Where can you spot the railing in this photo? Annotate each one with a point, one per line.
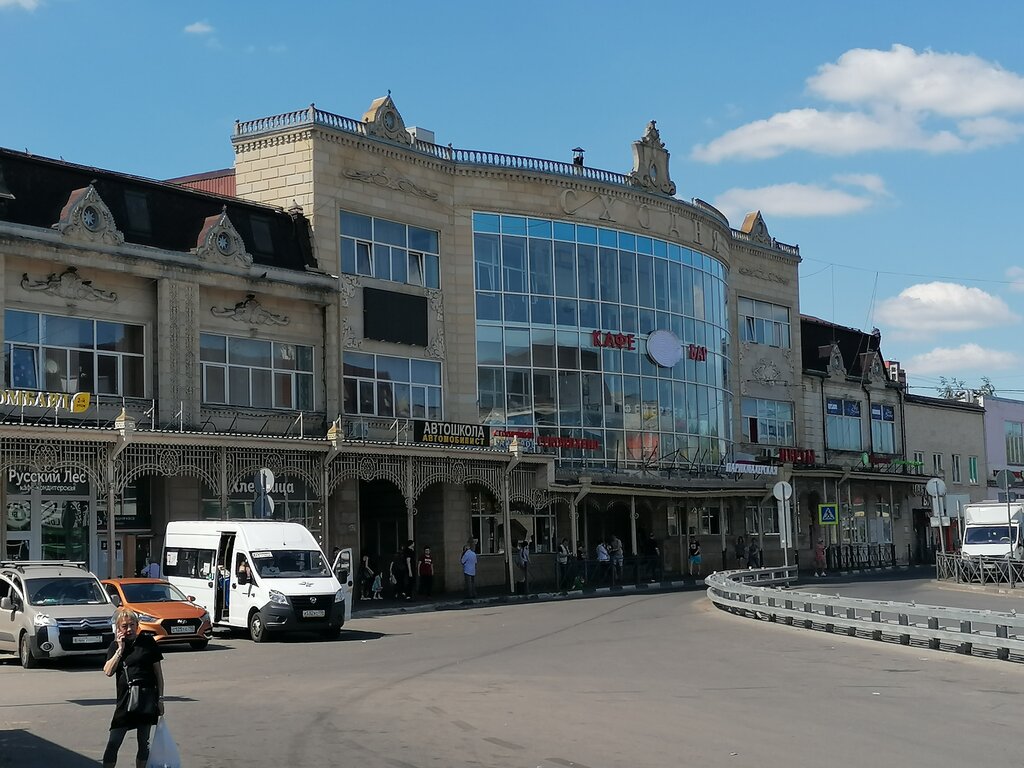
(849, 557)
(938, 627)
(979, 570)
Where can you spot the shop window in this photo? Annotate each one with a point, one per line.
(256, 373)
(763, 323)
(767, 422)
(883, 428)
(389, 250)
(842, 424)
(390, 386)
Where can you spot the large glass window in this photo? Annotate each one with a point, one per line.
(972, 470)
(54, 353)
(536, 528)
(763, 518)
(763, 323)
(401, 387)
(563, 314)
(767, 422)
(389, 250)
(256, 373)
(1014, 442)
(842, 424)
(883, 428)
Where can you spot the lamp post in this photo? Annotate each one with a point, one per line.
(783, 492)
(515, 451)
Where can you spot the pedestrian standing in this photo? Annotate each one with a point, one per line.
(819, 558)
(617, 557)
(694, 553)
(604, 562)
(562, 559)
(366, 576)
(426, 571)
(652, 557)
(753, 554)
(469, 569)
(741, 551)
(522, 561)
(409, 569)
(135, 660)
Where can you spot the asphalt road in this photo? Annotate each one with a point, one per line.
(637, 680)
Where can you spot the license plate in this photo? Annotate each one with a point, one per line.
(86, 639)
(313, 614)
(181, 630)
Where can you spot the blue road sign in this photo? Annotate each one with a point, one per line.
(828, 514)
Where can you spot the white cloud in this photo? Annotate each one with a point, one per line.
(949, 84)
(1016, 274)
(872, 182)
(827, 133)
(888, 100)
(966, 357)
(789, 200)
(199, 28)
(26, 5)
(929, 308)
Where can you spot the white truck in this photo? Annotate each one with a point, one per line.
(993, 529)
(262, 575)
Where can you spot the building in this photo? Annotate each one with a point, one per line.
(1004, 444)
(945, 439)
(420, 341)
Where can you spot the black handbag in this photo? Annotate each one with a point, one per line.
(143, 699)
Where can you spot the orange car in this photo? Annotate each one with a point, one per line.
(163, 611)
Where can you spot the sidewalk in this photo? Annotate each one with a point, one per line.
(455, 602)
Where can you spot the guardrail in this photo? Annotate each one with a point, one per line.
(938, 627)
(979, 570)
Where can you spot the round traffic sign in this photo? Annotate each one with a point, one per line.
(935, 487)
(1004, 479)
(265, 479)
(782, 490)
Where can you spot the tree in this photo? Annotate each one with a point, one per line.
(953, 388)
(987, 387)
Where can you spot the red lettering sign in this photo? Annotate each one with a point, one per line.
(796, 455)
(580, 443)
(698, 353)
(613, 340)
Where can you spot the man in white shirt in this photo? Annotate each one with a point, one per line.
(604, 562)
(469, 569)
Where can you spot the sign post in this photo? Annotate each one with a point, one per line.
(937, 490)
(1004, 480)
(783, 492)
(263, 504)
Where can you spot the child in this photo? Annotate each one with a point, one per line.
(377, 588)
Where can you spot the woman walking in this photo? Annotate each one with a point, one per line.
(135, 660)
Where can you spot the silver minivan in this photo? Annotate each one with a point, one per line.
(53, 609)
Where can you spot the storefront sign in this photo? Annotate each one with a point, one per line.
(796, 456)
(528, 440)
(696, 352)
(62, 401)
(63, 482)
(578, 443)
(613, 340)
(664, 349)
(450, 433)
(741, 468)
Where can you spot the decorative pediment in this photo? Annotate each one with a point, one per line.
(220, 242)
(384, 121)
(68, 285)
(650, 163)
(754, 226)
(250, 311)
(873, 368)
(86, 218)
(836, 366)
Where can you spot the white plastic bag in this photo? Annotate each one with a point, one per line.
(163, 752)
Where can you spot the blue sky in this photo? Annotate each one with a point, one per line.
(883, 138)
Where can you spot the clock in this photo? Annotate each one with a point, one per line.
(224, 244)
(390, 120)
(91, 218)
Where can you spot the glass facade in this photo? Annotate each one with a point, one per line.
(564, 313)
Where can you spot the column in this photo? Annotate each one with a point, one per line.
(177, 361)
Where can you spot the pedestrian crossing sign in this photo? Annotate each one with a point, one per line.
(828, 514)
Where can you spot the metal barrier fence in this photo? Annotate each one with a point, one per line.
(848, 557)
(939, 627)
(979, 570)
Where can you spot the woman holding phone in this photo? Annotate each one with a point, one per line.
(135, 660)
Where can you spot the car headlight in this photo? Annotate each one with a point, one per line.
(339, 596)
(204, 618)
(146, 617)
(279, 598)
(43, 620)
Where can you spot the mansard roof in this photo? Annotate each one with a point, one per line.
(855, 346)
(34, 191)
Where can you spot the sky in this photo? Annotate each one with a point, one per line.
(882, 138)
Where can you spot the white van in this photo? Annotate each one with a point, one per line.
(262, 575)
(993, 529)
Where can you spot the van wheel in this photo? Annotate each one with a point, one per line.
(332, 633)
(257, 631)
(28, 661)
(199, 645)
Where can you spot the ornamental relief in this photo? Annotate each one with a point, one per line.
(348, 286)
(250, 311)
(349, 339)
(763, 274)
(68, 285)
(384, 179)
(86, 218)
(220, 242)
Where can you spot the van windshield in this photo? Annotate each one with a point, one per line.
(289, 563)
(65, 591)
(988, 534)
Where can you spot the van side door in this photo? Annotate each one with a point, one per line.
(9, 617)
(343, 569)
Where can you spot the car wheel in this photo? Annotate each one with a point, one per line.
(199, 645)
(257, 631)
(28, 661)
(332, 633)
